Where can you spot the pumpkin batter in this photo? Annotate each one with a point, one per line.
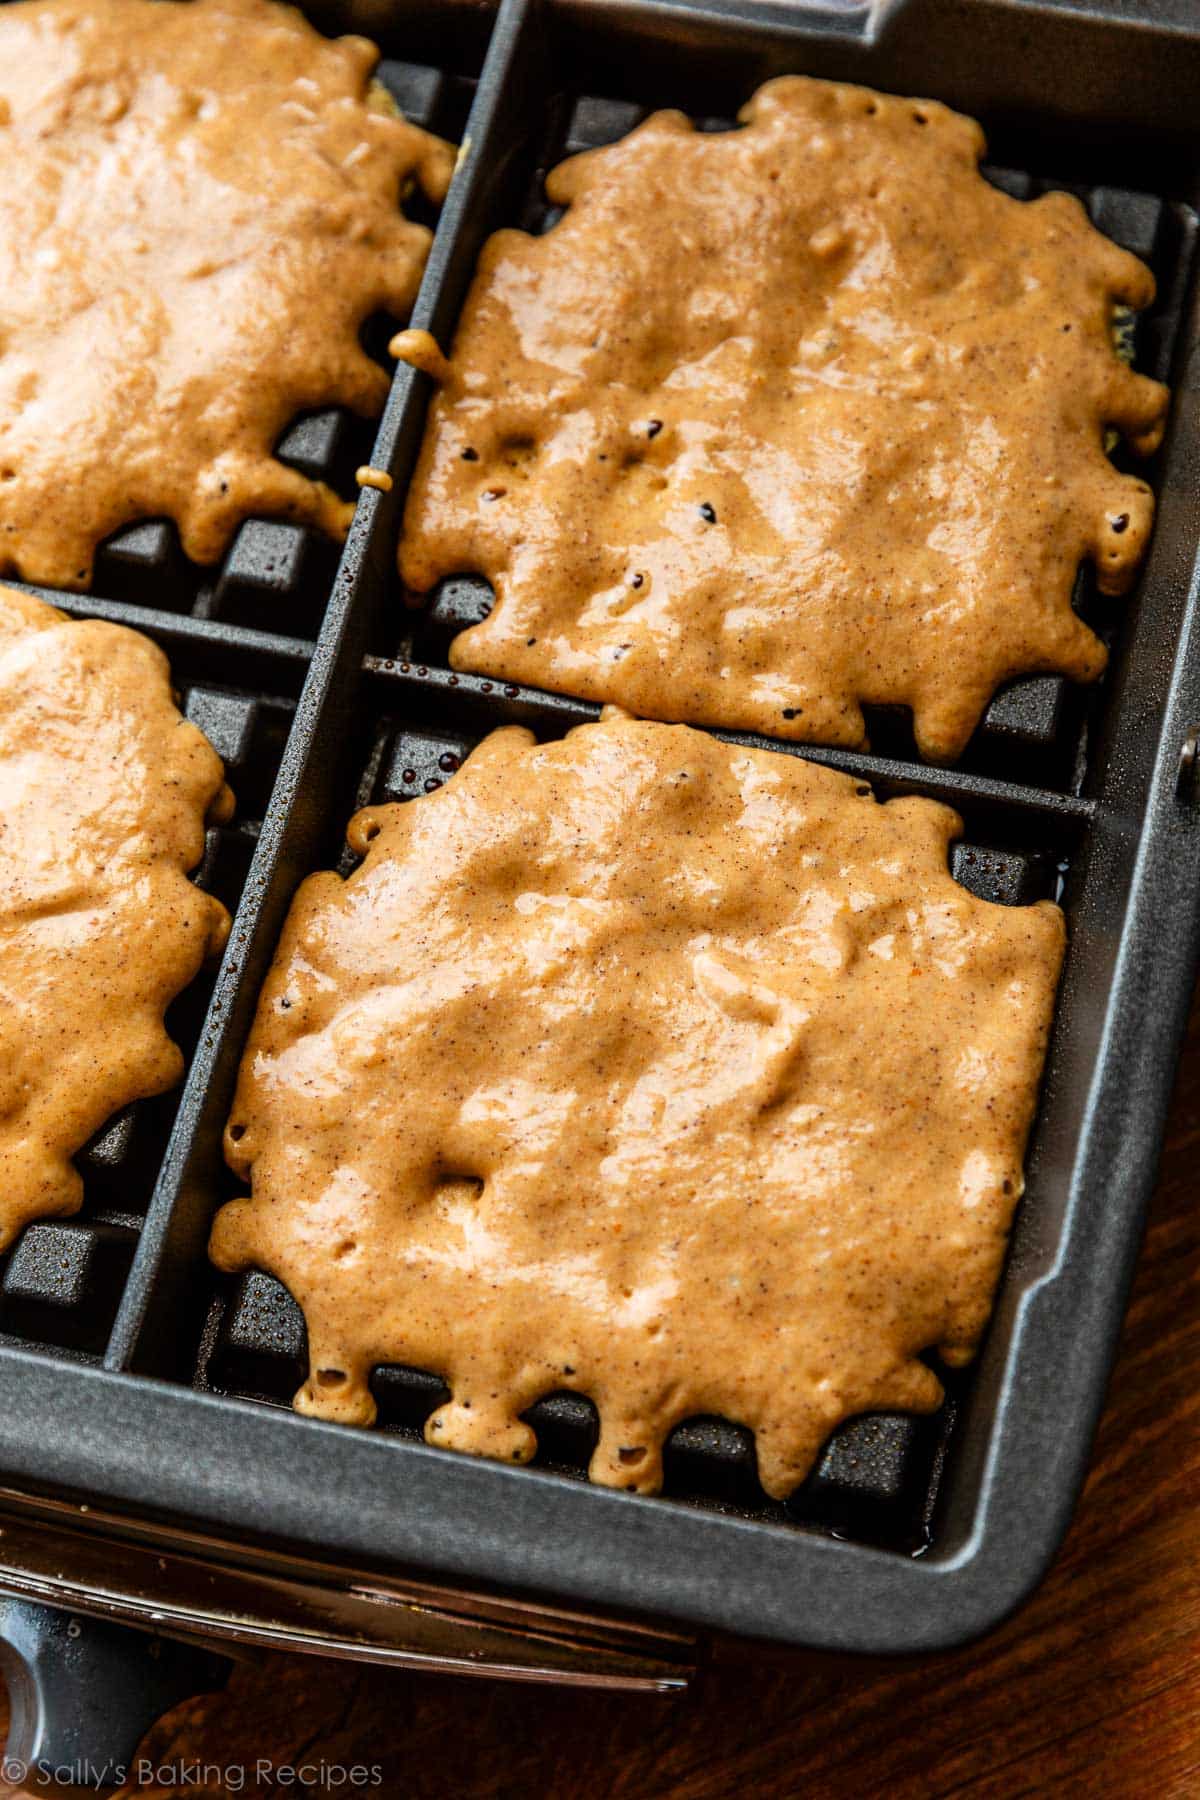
(104, 790)
(781, 421)
(198, 209)
(674, 1072)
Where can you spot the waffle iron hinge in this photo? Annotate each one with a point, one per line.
(102, 1573)
(184, 1585)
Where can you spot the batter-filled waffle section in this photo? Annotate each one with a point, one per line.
(1037, 728)
(62, 1279)
(876, 1477)
(275, 573)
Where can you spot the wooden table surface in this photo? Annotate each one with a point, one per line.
(1093, 1689)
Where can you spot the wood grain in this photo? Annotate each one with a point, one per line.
(1093, 1689)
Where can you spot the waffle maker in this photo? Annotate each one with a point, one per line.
(161, 1508)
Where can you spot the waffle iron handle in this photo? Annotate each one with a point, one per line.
(83, 1693)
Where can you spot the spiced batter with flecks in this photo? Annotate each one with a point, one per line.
(680, 1074)
(104, 791)
(199, 207)
(783, 421)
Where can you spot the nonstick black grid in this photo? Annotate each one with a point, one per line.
(1113, 833)
(878, 1476)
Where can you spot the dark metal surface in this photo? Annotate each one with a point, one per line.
(185, 1421)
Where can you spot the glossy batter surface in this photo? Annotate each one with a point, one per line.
(199, 206)
(680, 1074)
(780, 421)
(104, 790)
